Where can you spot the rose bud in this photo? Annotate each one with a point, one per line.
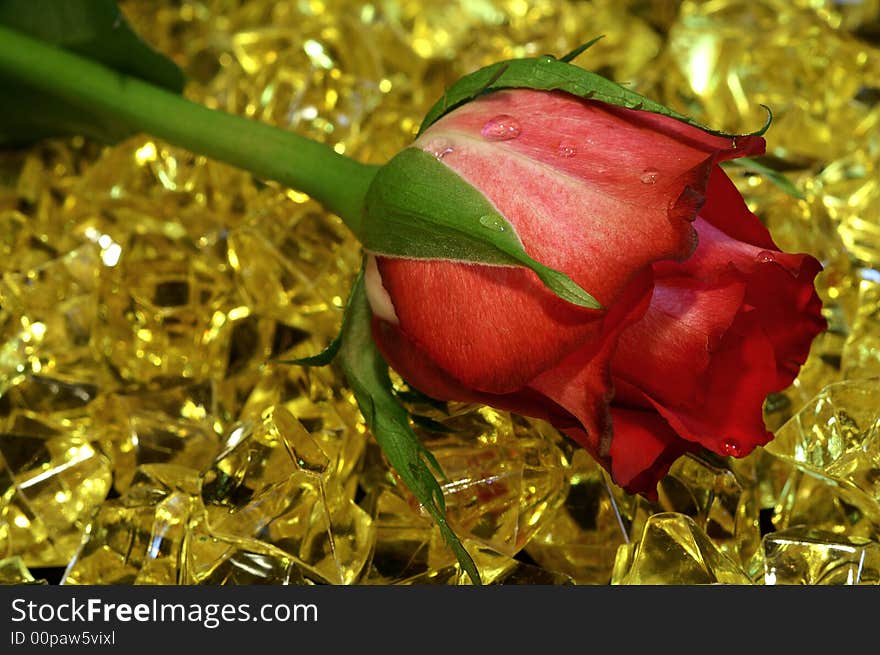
(701, 314)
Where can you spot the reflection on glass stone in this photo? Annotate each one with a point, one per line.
(52, 481)
(674, 550)
(174, 426)
(582, 537)
(139, 537)
(502, 478)
(210, 559)
(722, 504)
(807, 500)
(837, 437)
(809, 556)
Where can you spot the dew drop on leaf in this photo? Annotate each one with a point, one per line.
(493, 222)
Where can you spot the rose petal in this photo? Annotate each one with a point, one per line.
(643, 449)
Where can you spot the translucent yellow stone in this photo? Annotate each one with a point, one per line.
(721, 503)
(274, 482)
(139, 537)
(674, 550)
(503, 478)
(861, 352)
(259, 454)
(582, 537)
(52, 482)
(159, 305)
(729, 57)
(809, 556)
(807, 500)
(836, 437)
(14, 572)
(47, 320)
(224, 560)
(403, 538)
(175, 426)
(314, 398)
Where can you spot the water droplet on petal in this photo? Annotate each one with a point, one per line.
(439, 148)
(730, 448)
(493, 222)
(566, 150)
(764, 257)
(649, 176)
(501, 128)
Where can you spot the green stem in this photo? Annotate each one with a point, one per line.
(339, 183)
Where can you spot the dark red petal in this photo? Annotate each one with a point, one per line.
(668, 351)
(643, 449)
(779, 286)
(726, 209)
(731, 421)
(581, 383)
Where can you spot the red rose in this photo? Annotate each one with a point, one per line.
(702, 316)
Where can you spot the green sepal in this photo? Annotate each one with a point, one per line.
(577, 52)
(329, 353)
(419, 208)
(95, 29)
(430, 425)
(777, 178)
(547, 73)
(388, 421)
(322, 358)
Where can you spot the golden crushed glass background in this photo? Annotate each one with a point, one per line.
(150, 437)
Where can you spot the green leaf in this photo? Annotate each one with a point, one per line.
(418, 207)
(95, 29)
(367, 374)
(550, 74)
(774, 176)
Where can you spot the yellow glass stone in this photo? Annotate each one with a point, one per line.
(582, 537)
(47, 320)
(861, 352)
(809, 556)
(836, 437)
(175, 426)
(52, 482)
(674, 550)
(721, 503)
(139, 537)
(403, 538)
(14, 572)
(503, 478)
(210, 559)
(274, 482)
(807, 500)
